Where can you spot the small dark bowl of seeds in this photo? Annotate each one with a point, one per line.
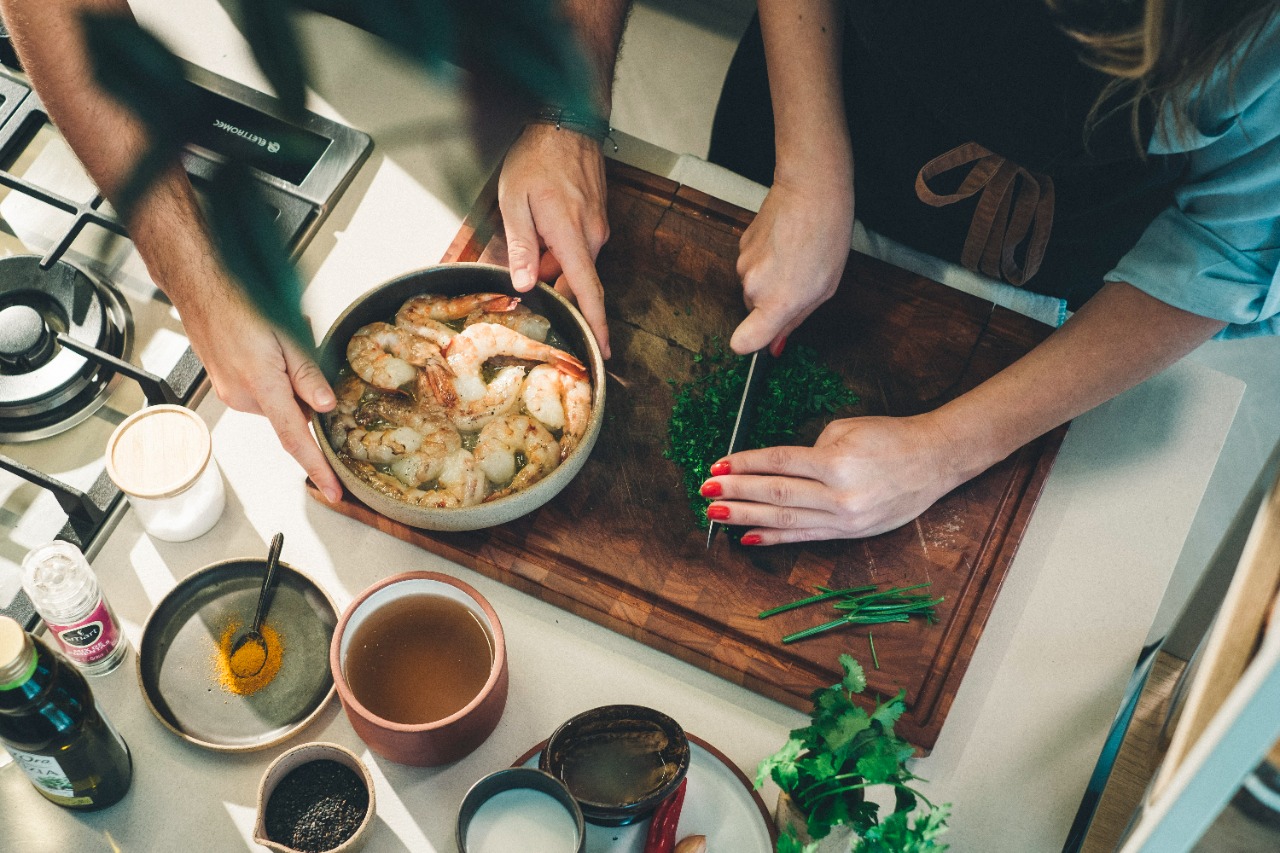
(315, 798)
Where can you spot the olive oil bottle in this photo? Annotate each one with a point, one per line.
(53, 728)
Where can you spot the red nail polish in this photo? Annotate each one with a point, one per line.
(718, 512)
(711, 489)
(751, 539)
(777, 347)
(720, 469)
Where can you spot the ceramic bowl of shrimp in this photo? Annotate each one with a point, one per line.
(461, 403)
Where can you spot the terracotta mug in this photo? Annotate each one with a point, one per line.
(440, 741)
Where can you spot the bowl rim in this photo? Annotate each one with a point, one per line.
(511, 779)
(181, 587)
(496, 669)
(640, 712)
(454, 518)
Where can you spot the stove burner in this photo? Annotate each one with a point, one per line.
(46, 388)
(25, 340)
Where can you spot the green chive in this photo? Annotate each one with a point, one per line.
(859, 606)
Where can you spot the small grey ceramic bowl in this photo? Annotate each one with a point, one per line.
(453, 280)
(613, 748)
(566, 830)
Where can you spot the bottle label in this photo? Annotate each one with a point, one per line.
(45, 773)
(90, 639)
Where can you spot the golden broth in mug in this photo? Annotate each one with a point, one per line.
(419, 659)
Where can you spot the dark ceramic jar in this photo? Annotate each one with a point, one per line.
(618, 761)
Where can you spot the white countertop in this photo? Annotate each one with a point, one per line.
(1026, 726)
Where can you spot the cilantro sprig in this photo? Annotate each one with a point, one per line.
(799, 388)
(827, 766)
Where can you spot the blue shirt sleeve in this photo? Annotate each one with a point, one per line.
(1215, 251)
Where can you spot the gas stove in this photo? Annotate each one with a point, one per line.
(86, 338)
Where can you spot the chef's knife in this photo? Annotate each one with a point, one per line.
(757, 373)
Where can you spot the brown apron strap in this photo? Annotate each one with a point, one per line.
(1014, 203)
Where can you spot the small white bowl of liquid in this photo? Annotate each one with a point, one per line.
(521, 808)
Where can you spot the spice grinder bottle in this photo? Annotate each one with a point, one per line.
(65, 592)
(53, 728)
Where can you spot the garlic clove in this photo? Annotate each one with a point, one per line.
(692, 844)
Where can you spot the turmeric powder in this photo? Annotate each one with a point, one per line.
(248, 659)
(227, 674)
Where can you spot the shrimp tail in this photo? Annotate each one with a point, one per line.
(569, 365)
(436, 381)
(499, 303)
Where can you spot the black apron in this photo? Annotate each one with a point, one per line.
(968, 121)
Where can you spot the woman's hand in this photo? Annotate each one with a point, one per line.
(863, 476)
(868, 475)
(793, 254)
(552, 196)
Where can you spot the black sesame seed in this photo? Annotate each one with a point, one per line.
(316, 806)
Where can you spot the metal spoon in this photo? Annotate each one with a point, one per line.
(246, 667)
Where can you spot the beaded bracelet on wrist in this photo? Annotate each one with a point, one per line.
(589, 126)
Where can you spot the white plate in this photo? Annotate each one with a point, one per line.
(719, 803)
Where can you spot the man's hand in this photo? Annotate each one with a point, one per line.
(253, 366)
(791, 258)
(552, 196)
(260, 370)
(552, 187)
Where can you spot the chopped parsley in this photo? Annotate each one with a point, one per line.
(799, 388)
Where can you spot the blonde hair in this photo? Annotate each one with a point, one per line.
(1162, 57)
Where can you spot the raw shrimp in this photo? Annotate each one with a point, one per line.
(426, 315)
(350, 392)
(436, 436)
(519, 317)
(387, 356)
(560, 401)
(500, 441)
(461, 483)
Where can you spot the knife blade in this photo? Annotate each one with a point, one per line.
(757, 373)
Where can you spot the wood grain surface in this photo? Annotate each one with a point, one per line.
(620, 547)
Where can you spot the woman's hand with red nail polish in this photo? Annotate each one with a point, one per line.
(863, 476)
(719, 469)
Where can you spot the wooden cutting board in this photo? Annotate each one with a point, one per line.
(620, 547)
